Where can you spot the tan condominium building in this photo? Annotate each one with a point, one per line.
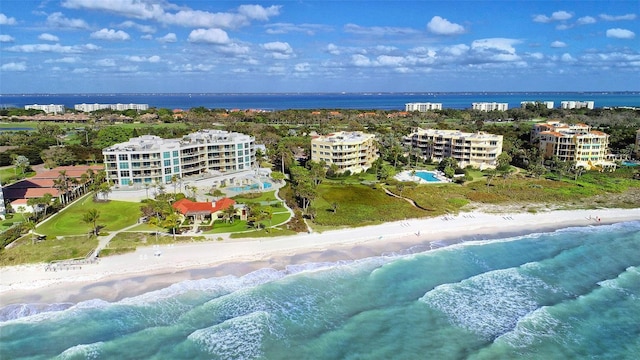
(575, 142)
(422, 107)
(353, 151)
(490, 106)
(479, 150)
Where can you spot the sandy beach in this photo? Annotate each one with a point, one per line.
(116, 277)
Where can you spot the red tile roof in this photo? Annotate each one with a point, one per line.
(188, 207)
(71, 171)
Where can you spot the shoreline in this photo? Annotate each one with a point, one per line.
(117, 277)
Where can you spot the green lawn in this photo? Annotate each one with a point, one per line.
(114, 215)
(9, 174)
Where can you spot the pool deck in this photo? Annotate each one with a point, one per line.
(406, 176)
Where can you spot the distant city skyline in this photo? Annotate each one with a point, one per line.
(144, 46)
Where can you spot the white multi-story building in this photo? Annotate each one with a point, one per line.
(118, 107)
(151, 159)
(353, 151)
(547, 104)
(487, 106)
(49, 109)
(422, 107)
(480, 150)
(577, 104)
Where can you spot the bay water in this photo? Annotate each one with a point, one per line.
(568, 294)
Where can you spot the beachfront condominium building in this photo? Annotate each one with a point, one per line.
(546, 104)
(479, 150)
(118, 107)
(422, 107)
(577, 104)
(353, 151)
(151, 159)
(49, 109)
(575, 142)
(487, 106)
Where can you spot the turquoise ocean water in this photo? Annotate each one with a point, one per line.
(569, 294)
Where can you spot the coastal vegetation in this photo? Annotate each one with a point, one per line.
(321, 198)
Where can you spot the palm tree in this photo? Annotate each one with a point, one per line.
(229, 213)
(91, 216)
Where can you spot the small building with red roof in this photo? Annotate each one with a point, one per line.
(200, 210)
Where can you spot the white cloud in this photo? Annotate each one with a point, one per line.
(278, 50)
(500, 44)
(106, 62)
(585, 20)
(110, 34)
(56, 48)
(209, 36)
(441, 26)
(234, 49)
(142, 28)
(169, 38)
(66, 60)
(566, 57)
(333, 49)
(558, 44)
(150, 59)
(130, 8)
(194, 68)
(285, 28)
(360, 60)
(128, 68)
(258, 12)
(379, 30)
(302, 67)
(456, 50)
(556, 16)
(60, 21)
(80, 70)
(617, 18)
(5, 20)
(537, 55)
(13, 66)
(48, 37)
(620, 34)
(6, 38)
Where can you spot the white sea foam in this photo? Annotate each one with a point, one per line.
(82, 351)
(489, 304)
(16, 311)
(237, 338)
(536, 326)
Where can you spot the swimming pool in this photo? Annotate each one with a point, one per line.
(630, 163)
(427, 176)
(265, 185)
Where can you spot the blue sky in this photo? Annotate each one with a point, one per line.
(105, 46)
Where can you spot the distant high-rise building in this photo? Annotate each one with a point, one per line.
(547, 104)
(49, 109)
(487, 106)
(577, 104)
(118, 107)
(422, 107)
